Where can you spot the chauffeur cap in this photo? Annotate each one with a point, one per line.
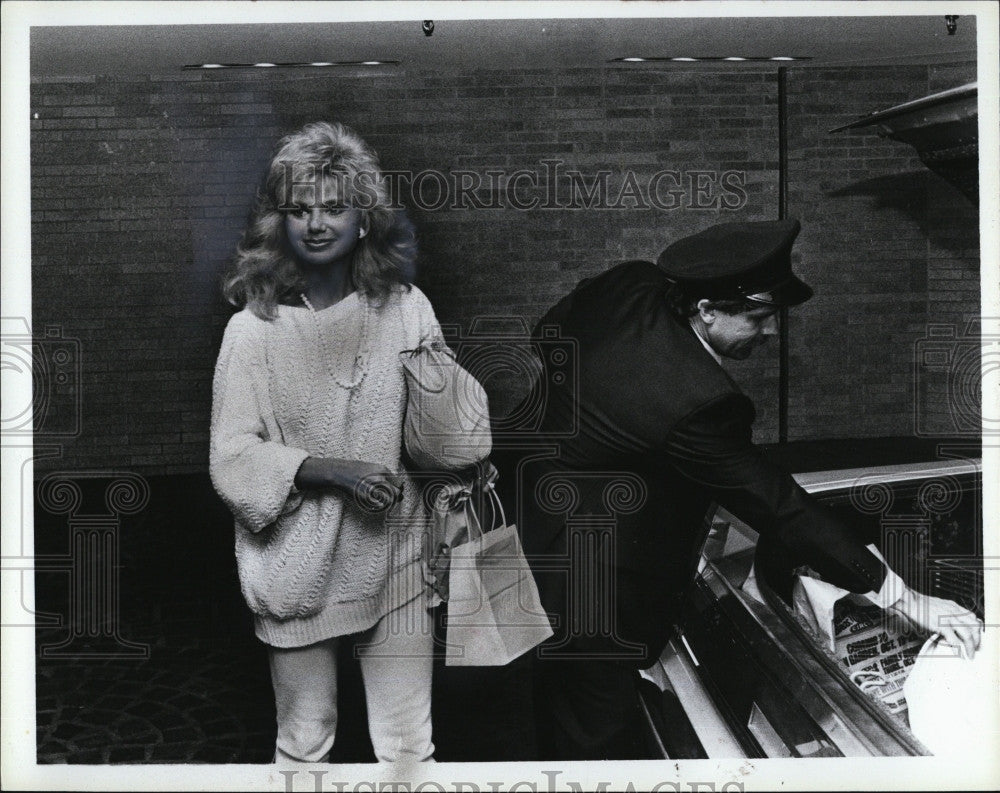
(738, 260)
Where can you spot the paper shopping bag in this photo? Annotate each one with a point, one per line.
(494, 612)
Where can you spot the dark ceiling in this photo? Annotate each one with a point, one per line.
(499, 43)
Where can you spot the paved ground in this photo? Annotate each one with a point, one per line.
(202, 692)
(181, 705)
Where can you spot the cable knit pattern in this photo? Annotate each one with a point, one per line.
(313, 564)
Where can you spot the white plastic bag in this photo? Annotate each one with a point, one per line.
(954, 701)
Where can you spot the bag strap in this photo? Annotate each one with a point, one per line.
(476, 529)
(496, 504)
(473, 520)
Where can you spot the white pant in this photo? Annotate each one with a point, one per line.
(396, 665)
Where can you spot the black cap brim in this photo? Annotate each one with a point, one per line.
(789, 292)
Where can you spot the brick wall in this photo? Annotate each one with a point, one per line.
(890, 249)
(141, 186)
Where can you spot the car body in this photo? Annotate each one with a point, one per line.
(746, 675)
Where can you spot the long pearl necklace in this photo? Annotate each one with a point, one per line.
(360, 365)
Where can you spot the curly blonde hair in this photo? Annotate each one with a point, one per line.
(264, 272)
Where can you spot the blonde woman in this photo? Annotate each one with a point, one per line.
(308, 405)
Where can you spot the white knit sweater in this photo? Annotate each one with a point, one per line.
(313, 564)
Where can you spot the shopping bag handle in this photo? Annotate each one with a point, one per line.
(473, 519)
(496, 508)
(497, 505)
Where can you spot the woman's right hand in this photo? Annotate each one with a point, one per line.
(374, 487)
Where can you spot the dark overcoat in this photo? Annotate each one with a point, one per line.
(635, 442)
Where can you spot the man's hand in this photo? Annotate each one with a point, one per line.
(956, 625)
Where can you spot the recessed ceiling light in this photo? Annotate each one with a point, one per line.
(708, 59)
(288, 65)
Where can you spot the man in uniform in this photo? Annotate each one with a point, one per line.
(651, 431)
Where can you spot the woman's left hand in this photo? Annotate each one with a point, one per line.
(374, 487)
(379, 491)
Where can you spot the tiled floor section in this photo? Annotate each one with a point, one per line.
(175, 707)
(203, 693)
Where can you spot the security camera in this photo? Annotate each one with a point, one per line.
(427, 26)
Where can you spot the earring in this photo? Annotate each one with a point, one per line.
(361, 233)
